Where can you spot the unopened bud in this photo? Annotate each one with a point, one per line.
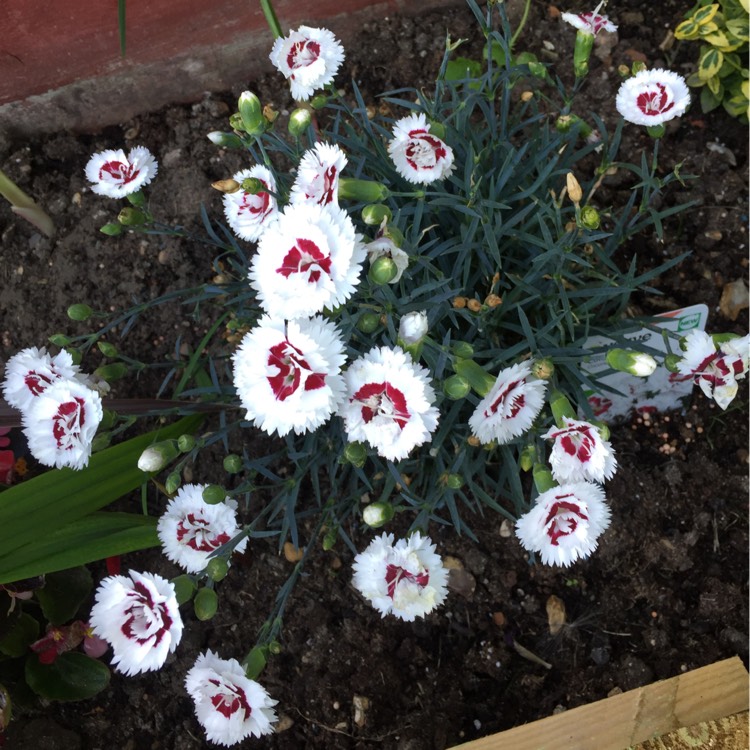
(454, 481)
(671, 362)
(111, 229)
(355, 454)
(319, 101)
(543, 479)
(456, 387)
(378, 514)
(480, 381)
(367, 191)
(59, 339)
(130, 216)
(589, 218)
(173, 482)
(561, 408)
(214, 494)
(205, 604)
(330, 538)
(374, 213)
(603, 428)
(582, 52)
(382, 271)
(368, 322)
(226, 186)
(437, 129)
(251, 113)
(637, 67)
(462, 349)
(412, 328)
(186, 443)
(157, 456)
(184, 588)
(253, 185)
(225, 140)
(527, 458)
(543, 369)
(299, 121)
(217, 568)
(636, 363)
(107, 349)
(232, 463)
(574, 188)
(79, 312)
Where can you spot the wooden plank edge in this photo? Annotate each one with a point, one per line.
(624, 720)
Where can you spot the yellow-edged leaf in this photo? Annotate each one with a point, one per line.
(715, 85)
(710, 64)
(739, 28)
(704, 15)
(717, 39)
(707, 28)
(687, 30)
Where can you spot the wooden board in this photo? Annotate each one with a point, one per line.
(624, 720)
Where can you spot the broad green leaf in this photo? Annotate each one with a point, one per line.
(709, 101)
(255, 662)
(462, 68)
(710, 64)
(94, 537)
(693, 80)
(63, 593)
(739, 28)
(25, 631)
(73, 676)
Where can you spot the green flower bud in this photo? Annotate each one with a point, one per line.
(589, 218)
(527, 457)
(582, 52)
(205, 604)
(186, 443)
(543, 479)
(637, 67)
(253, 186)
(374, 213)
(184, 588)
(217, 568)
(157, 456)
(131, 217)
(561, 408)
(319, 101)
(107, 349)
(235, 121)
(462, 349)
(111, 229)
(671, 361)
(368, 322)
(382, 271)
(173, 482)
(454, 481)
(299, 121)
(329, 540)
(636, 363)
(480, 381)
(274, 647)
(543, 369)
(232, 463)
(112, 371)
(456, 387)
(355, 454)
(367, 191)
(137, 199)
(59, 339)
(251, 113)
(79, 312)
(214, 494)
(377, 514)
(225, 140)
(437, 129)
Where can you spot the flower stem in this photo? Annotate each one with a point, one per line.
(271, 20)
(521, 24)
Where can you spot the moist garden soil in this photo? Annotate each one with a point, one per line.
(665, 592)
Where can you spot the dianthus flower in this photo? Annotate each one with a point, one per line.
(318, 175)
(190, 529)
(388, 403)
(229, 705)
(308, 260)
(115, 175)
(61, 422)
(407, 579)
(511, 406)
(309, 58)
(565, 523)
(30, 371)
(288, 376)
(249, 214)
(589, 23)
(139, 617)
(652, 97)
(579, 453)
(419, 156)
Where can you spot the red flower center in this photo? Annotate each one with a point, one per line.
(577, 441)
(67, 423)
(146, 621)
(36, 382)
(195, 532)
(122, 172)
(383, 400)
(563, 517)
(302, 54)
(394, 574)
(424, 151)
(305, 257)
(229, 699)
(291, 366)
(654, 100)
(510, 397)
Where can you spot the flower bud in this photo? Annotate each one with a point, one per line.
(112, 371)
(574, 189)
(355, 454)
(561, 408)
(543, 479)
(299, 121)
(367, 191)
(59, 339)
(636, 363)
(373, 214)
(253, 186)
(637, 67)
(173, 482)
(111, 229)
(186, 443)
(412, 328)
(235, 121)
(232, 463)
(382, 271)
(368, 322)
(225, 140)
(481, 381)
(107, 349)
(582, 52)
(205, 604)
(526, 459)
(217, 568)
(319, 101)
(462, 349)
(456, 387)
(378, 514)
(329, 540)
(589, 218)
(184, 588)
(131, 217)
(157, 456)
(214, 494)
(137, 199)
(671, 361)
(226, 186)
(542, 369)
(251, 113)
(454, 481)
(79, 312)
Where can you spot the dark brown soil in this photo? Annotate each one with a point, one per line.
(665, 592)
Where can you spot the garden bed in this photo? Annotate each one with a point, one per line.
(666, 591)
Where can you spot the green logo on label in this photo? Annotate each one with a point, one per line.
(688, 321)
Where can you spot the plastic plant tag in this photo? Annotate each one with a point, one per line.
(661, 391)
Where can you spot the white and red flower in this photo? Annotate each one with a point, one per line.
(249, 214)
(579, 453)
(61, 422)
(229, 705)
(407, 579)
(389, 403)
(589, 23)
(190, 529)
(139, 617)
(29, 372)
(419, 156)
(318, 173)
(652, 97)
(287, 374)
(384, 247)
(309, 58)
(308, 260)
(715, 369)
(115, 175)
(511, 406)
(565, 523)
